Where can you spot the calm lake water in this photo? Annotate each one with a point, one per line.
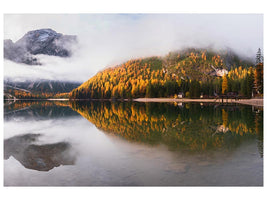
(132, 144)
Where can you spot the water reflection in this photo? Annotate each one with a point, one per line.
(38, 157)
(37, 110)
(187, 127)
(128, 143)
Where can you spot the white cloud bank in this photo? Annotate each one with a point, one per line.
(110, 39)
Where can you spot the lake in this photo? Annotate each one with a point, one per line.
(94, 143)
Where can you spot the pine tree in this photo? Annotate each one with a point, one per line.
(149, 90)
(244, 89)
(250, 81)
(259, 78)
(259, 57)
(194, 89)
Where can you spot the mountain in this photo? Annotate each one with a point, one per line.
(42, 41)
(190, 70)
(14, 88)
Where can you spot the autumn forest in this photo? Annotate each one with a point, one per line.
(191, 73)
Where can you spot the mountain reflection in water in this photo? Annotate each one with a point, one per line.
(187, 127)
(132, 144)
(37, 110)
(38, 157)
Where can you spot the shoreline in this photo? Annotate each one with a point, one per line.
(37, 99)
(252, 102)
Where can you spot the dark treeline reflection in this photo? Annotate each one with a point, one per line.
(189, 127)
(37, 110)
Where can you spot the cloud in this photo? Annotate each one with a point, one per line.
(110, 39)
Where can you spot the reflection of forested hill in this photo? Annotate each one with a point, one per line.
(38, 109)
(190, 126)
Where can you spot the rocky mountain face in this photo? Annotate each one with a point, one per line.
(42, 41)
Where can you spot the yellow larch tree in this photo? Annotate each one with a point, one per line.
(224, 84)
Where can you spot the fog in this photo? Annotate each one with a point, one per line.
(110, 39)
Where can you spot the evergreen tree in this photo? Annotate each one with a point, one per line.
(250, 81)
(244, 89)
(194, 89)
(149, 90)
(259, 78)
(259, 57)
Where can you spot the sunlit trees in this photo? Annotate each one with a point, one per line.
(21, 94)
(191, 71)
(224, 85)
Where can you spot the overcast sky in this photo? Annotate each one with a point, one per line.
(110, 39)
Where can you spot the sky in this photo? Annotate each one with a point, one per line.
(111, 39)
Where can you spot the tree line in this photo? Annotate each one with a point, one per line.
(188, 74)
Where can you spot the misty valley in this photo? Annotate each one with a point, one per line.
(112, 143)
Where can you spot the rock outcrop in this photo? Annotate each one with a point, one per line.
(42, 41)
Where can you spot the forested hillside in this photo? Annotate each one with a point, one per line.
(191, 72)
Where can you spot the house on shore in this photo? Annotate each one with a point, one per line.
(218, 72)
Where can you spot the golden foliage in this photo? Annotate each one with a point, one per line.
(139, 122)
